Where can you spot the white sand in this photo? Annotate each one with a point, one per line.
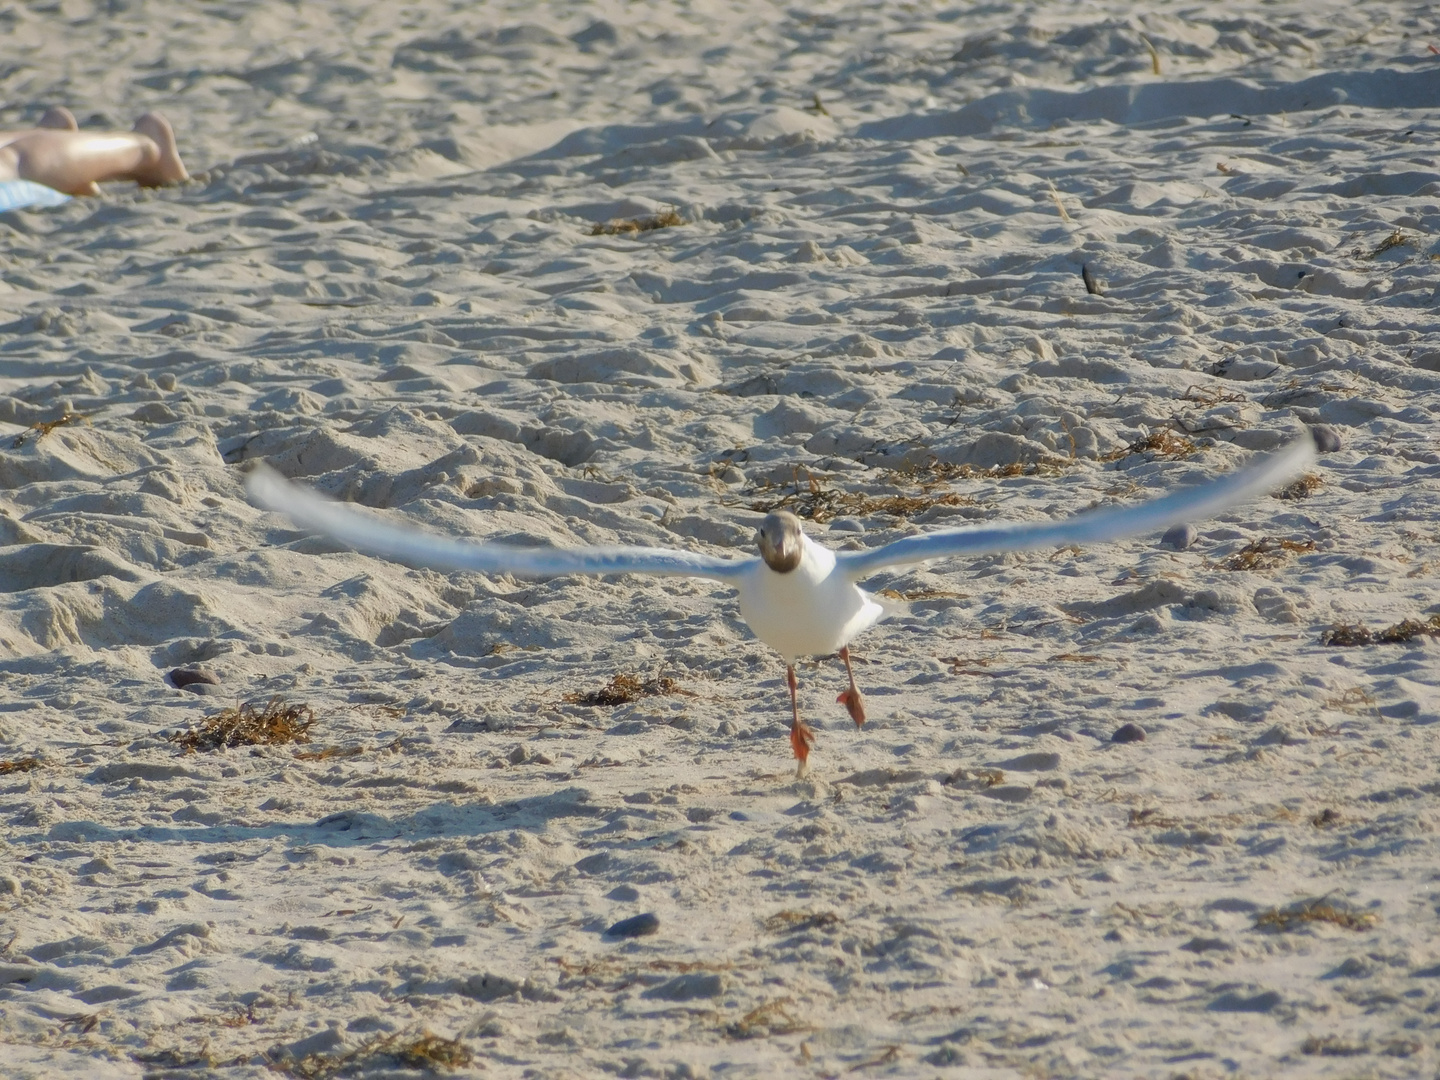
(381, 281)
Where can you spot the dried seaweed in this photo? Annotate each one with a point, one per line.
(911, 595)
(1394, 240)
(1350, 699)
(1332, 1046)
(24, 764)
(1154, 55)
(175, 1058)
(979, 780)
(666, 219)
(1266, 553)
(933, 472)
(408, 1050)
(1346, 635)
(275, 723)
(40, 430)
(1060, 206)
(812, 500)
(1151, 818)
(794, 922)
(770, 1018)
(328, 753)
(1313, 911)
(1210, 396)
(625, 688)
(1302, 488)
(1164, 444)
(889, 1056)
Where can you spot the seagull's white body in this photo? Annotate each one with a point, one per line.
(811, 611)
(801, 598)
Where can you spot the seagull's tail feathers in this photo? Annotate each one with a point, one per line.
(367, 532)
(1094, 527)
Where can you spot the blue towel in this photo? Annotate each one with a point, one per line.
(16, 194)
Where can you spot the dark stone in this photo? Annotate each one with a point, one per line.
(624, 894)
(1180, 537)
(1234, 904)
(635, 927)
(1207, 944)
(595, 864)
(1233, 1002)
(181, 678)
(1327, 439)
(1128, 733)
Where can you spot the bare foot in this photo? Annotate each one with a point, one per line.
(58, 118)
(169, 169)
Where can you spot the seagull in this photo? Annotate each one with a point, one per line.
(799, 597)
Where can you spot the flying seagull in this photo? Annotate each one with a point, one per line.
(799, 597)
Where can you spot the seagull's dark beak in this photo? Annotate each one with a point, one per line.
(781, 541)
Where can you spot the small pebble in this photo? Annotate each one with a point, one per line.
(181, 677)
(1180, 537)
(1128, 733)
(636, 926)
(1327, 439)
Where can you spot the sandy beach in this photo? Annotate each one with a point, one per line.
(617, 273)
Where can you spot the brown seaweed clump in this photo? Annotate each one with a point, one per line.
(40, 430)
(1164, 444)
(819, 503)
(1313, 911)
(794, 922)
(625, 688)
(667, 219)
(1267, 553)
(1302, 488)
(766, 1020)
(1348, 635)
(276, 722)
(425, 1050)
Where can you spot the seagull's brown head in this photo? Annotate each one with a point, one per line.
(781, 541)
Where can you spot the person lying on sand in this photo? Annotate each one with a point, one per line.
(59, 155)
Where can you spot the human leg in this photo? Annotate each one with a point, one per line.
(74, 162)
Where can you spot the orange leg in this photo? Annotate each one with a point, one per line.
(851, 699)
(801, 737)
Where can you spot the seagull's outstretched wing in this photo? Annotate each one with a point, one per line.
(1191, 504)
(368, 533)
